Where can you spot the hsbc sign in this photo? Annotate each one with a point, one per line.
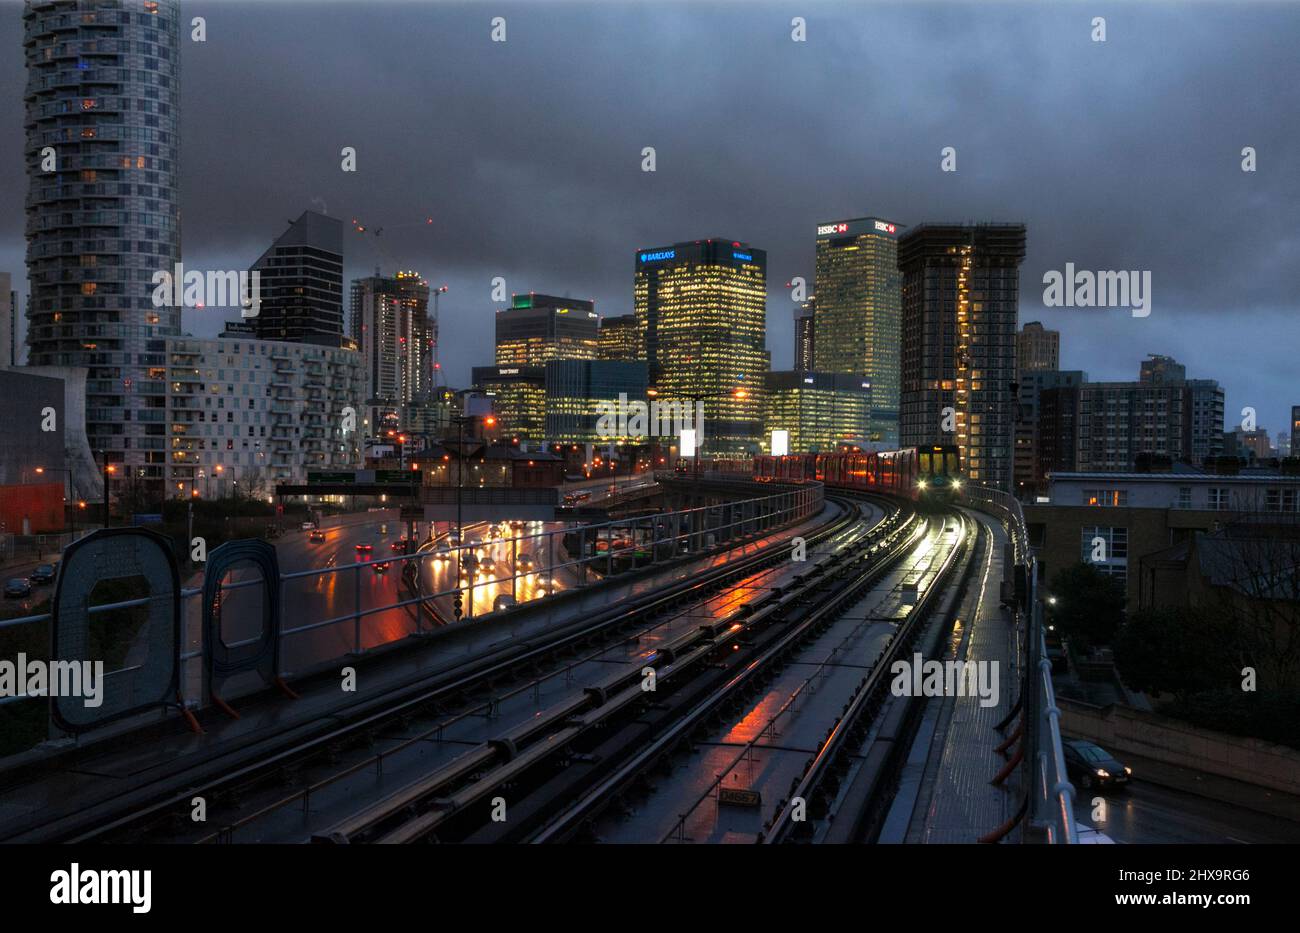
(859, 226)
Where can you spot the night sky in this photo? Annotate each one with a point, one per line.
(527, 154)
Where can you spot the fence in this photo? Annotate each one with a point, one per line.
(574, 557)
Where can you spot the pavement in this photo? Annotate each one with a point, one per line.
(953, 759)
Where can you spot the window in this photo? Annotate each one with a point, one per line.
(1184, 497)
(1219, 499)
(1111, 498)
(1105, 548)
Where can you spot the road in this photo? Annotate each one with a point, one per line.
(1153, 813)
(539, 541)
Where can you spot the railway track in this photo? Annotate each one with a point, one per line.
(571, 756)
(279, 778)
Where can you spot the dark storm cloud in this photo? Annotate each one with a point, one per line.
(1122, 155)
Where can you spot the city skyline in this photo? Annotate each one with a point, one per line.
(588, 211)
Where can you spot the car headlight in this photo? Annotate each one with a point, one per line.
(1103, 773)
(920, 484)
(1128, 770)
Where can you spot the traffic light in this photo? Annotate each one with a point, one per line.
(457, 605)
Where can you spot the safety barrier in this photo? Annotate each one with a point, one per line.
(585, 554)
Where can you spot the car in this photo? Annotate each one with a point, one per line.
(442, 554)
(525, 564)
(17, 588)
(398, 546)
(365, 548)
(486, 569)
(544, 584)
(381, 567)
(308, 526)
(42, 574)
(504, 601)
(316, 535)
(1092, 767)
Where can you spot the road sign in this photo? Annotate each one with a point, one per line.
(314, 476)
(397, 476)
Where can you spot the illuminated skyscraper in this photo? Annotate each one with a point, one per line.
(102, 152)
(820, 411)
(961, 289)
(701, 308)
(619, 339)
(857, 312)
(391, 326)
(539, 328)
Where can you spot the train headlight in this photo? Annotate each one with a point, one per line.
(956, 484)
(920, 484)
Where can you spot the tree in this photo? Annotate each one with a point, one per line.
(1176, 650)
(1089, 607)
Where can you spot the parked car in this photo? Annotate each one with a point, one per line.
(1091, 766)
(17, 588)
(42, 574)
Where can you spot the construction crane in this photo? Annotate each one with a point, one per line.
(376, 233)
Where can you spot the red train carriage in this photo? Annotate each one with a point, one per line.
(929, 473)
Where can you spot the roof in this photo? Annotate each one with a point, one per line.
(1181, 472)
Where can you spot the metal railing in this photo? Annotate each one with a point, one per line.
(574, 559)
(1051, 810)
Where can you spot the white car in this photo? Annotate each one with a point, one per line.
(1087, 836)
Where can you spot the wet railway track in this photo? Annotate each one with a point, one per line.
(278, 795)
(547, 778)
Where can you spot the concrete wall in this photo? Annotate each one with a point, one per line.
(1123, 730)
(24, 396)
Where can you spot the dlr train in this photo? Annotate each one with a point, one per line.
(930, 475)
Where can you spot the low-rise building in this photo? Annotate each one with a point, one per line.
(1114, 520)
(242, 415)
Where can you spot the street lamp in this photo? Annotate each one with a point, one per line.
(110, 469)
